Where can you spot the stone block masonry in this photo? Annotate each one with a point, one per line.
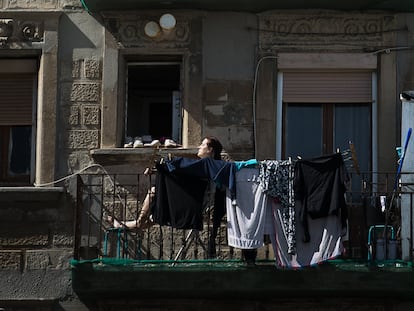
(36, 246)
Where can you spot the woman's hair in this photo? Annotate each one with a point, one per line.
(214, 143)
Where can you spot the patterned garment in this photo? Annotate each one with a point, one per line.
(276, 178)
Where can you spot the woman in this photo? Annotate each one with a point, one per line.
(209, 147)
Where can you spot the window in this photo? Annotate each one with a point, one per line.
(17, 86)
(153, 100)
(315, 129)
(324, 111)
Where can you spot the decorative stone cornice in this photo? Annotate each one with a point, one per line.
(20, 33)
(129, 31)
(39, 5)
(6, 29)
(323, 29)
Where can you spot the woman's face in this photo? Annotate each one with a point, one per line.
(204, 151)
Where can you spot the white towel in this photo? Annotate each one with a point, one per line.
(246, 217)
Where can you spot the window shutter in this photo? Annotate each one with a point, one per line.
(16, 98)
(327, 87)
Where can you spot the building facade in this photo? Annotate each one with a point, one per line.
(79, 79)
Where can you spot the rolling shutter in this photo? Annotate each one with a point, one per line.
(17, 79)
(327, 87)
(16, 99)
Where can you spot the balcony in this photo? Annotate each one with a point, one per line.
(256, 6)
(164, 262)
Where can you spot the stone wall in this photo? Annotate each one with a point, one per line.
(80, 120)
(36, 244)
(39, 5)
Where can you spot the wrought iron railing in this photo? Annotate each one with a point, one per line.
(103, 196)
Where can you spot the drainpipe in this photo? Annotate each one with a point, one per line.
(374, 125)
(279, 118)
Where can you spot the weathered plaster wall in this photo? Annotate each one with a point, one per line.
(405, 54)
(218, 80)
(404, 59)
(395, 75)
(229, 50)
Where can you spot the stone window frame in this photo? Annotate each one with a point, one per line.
(124, 37)
(113, 96)
(35, 36)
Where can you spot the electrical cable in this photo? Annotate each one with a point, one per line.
(81, 171)
(73, 175)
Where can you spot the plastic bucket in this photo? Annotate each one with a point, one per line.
(380, 250)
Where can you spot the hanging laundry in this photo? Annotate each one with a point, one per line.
(276, 178)
(246, 219)
(250, 218)
(326, 242)
(181, 184)
(320, 186)
(286, 212)
(178, 200)
(219, 171)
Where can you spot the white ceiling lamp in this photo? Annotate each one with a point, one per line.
(167, 22)
(152, 29)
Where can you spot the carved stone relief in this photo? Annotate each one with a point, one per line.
(76, 69)
(32, 4)
(39, 4)
(92, 69)
(90, 115)
(73, 115)
(129, 31)
(18, 33)
(83, 96)
(6, 28)
(85, 92)
(83, 139)
(323, 29)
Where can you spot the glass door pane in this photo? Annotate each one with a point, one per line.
(19, 150)
(353, 124)
(303, 131)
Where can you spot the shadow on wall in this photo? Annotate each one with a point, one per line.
(72, 36)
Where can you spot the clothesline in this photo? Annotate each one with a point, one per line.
(300, 203)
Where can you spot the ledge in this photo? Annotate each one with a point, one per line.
(25, 194)
(116, 156)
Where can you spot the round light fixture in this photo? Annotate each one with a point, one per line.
(152, 29)
(167, 21)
